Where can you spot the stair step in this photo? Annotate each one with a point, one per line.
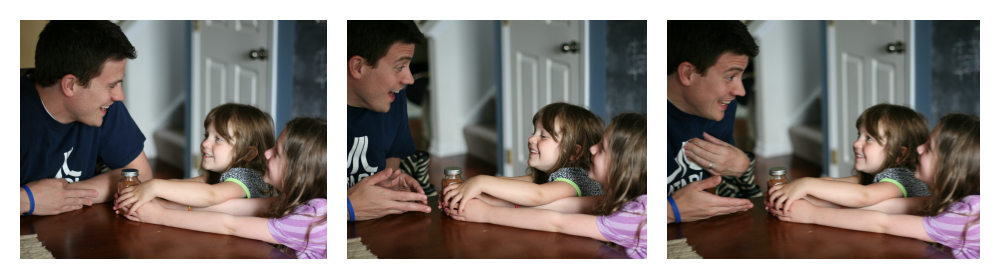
(807, 142)
(481, 141)
(170, 147)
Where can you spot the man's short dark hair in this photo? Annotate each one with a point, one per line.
(79, 48)
(371, 39)
(701, 43)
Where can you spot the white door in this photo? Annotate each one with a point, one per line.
(224, 72)
(863, 73)
(537, 71)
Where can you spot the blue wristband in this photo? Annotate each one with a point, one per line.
(31, 199)
(673, 207)
(350, 209)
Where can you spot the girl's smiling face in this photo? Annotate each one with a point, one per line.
(869, 154)
(927, 162)
(543, 149)
(600, 162)
(275, 162)
(216, 152)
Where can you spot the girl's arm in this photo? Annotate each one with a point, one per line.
(899, 205)
(532, 219)
(238, 207)
(851, 179)
(838, 192)
(525, 178)
(579, 205)
(189, 193)
(200, 178)
(211, 222)
(518, 192)
(860, 220)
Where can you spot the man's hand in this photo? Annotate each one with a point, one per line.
(371, 201)
(716, 156)
(695, 204)
(51, 197)
(399, 181)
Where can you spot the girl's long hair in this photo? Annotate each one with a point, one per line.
(578, 129)
(627, 165)
(902, 128)
(957, 172)
(253, 133)
(304, 179)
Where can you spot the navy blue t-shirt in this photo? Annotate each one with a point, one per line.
(682, 127)
(372, 137)
(50, 149)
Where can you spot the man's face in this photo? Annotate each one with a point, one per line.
(89, 104)
(380, 84)
(712, 91)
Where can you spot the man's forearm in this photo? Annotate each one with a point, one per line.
(106, 185)
(25, 202)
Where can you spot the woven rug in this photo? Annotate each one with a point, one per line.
(31, 248)
(356, 250)
(679, 249)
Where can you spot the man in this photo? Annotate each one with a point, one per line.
(378, 132)
(706, 60)
(72, 117)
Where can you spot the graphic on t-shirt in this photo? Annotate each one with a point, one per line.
(684, 167)
(71, 175)
(359, 154)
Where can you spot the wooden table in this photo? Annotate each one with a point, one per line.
(97, 232)
(436, 236)
(755, 234)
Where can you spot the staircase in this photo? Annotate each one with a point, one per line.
(807, 136)
(481, 136)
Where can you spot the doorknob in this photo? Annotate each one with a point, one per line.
(258, 54)
(897, 47)
(572, 46)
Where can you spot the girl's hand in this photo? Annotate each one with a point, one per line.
(803, 213)
(476, 211)
(783, 197)
(132, 198)
(458, 194)
(151, 212)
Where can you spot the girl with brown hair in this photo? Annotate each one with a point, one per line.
(885, 158)
(296, 220)
(233, 163)
(949, 163)
(558, 162)
(619, 216)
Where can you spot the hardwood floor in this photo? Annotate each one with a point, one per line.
(163, 170)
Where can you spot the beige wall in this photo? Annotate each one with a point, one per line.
(29, 38)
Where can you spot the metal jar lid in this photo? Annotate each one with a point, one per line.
(452, 171)
(778, 171)
(130, 172)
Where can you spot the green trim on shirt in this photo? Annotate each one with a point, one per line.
(578, 193)
(901, 188)
(247, 190)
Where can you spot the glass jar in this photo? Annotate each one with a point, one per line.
(777, 177)
(130, 177)
(452, 175)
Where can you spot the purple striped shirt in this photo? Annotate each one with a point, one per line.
(947, 228)
(291, 230)
(620, 227)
